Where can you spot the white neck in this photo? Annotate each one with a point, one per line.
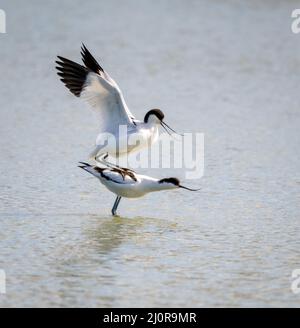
(152, 131)
(151, 124)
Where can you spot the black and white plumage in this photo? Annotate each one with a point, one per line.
(127, 183)
(93, 84)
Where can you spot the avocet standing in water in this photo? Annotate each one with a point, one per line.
(126, 183)
(93, 84)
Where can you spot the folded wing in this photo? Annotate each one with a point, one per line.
(119, 176)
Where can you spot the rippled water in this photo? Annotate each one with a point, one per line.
(230, 70)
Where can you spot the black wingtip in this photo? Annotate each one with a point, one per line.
(73, 74)
(83, 47)
(63, 59)
(89, 61)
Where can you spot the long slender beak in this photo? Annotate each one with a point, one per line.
(180, 186)
(165, 126)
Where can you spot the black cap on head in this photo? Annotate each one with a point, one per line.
(175, 181)
(157, 112)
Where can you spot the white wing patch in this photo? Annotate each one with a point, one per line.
(106, 100)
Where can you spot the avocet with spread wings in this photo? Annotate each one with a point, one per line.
(92, 83)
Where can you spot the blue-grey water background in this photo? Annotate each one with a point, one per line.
(227, 69)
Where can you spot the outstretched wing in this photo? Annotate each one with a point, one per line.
(93, 84)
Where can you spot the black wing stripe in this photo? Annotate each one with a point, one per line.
(89, 61)
(73, 75)
(68, 74)
(122, 171)
(68, 70)
(109, 178)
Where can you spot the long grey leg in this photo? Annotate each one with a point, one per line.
(102, 160)
(112, 165)
(109, 164)
(116, 204)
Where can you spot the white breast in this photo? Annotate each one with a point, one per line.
(137, 138)
(124, 186)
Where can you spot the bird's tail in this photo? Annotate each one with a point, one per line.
(94, 170)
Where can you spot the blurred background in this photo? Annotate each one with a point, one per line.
(227, 69)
